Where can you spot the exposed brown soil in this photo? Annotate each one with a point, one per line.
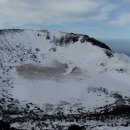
(36, 72)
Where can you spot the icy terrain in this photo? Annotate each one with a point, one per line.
(56, 73)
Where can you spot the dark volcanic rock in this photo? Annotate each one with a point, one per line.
(75, 127)
(4, 125)
(3, 31)
(72, 38)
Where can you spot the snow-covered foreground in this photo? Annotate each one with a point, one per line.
(59, 72)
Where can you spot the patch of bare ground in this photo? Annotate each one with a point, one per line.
(31, 71)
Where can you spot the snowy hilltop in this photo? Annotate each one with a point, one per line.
(51, 79)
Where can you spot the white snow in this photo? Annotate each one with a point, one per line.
(70, 87)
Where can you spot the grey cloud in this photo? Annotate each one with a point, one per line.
(54, 11)
(122, 20)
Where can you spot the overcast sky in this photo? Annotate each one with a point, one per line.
(97, 18)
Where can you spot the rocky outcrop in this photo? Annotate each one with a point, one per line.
(4, 125)
(75, 127)
(72, 38)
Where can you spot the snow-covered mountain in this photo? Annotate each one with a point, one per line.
(61, 77)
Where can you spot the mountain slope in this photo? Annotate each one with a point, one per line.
(55, 73)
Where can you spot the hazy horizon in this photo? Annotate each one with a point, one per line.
(118, 44)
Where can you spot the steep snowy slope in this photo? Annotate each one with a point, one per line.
(54, 73)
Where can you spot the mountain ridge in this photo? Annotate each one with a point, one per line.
(72, 37)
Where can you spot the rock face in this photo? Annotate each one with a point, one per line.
(75, 127)
(72, 38)
(49, 79)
